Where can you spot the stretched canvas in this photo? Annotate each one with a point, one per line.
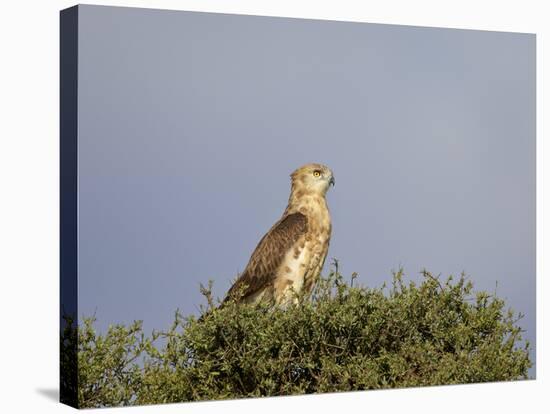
(263, 206)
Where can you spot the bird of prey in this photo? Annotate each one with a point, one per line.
(288, 259)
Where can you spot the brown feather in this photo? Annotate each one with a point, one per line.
(268, 256)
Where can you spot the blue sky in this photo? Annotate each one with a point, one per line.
(190, 124)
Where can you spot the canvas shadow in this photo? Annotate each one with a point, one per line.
(49, 393)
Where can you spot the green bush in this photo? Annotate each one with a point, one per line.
(343, 338)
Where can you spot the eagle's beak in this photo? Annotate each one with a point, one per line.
(331, 181)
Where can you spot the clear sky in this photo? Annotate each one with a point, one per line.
(190, 124)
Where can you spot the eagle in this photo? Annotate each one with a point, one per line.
(288, 259)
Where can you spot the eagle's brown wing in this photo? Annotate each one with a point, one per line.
(268, 255)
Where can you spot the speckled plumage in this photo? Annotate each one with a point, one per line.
(289, 258)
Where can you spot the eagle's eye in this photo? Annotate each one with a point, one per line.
(316, 173)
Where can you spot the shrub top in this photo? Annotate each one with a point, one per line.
(345, 337)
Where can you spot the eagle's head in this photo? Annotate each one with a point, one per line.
(312, 178)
